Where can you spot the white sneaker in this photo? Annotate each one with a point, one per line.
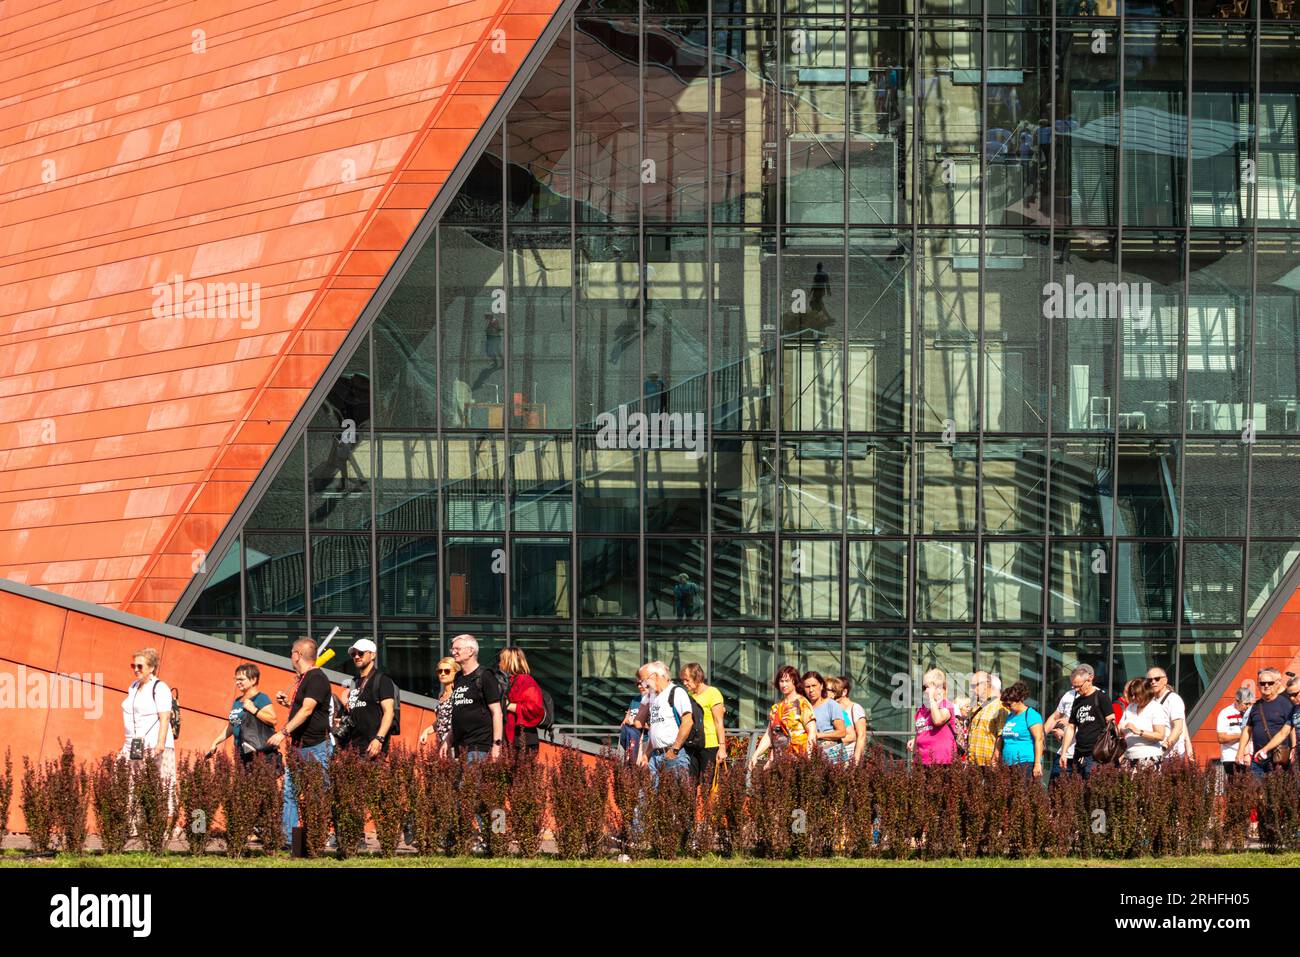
(623, 859)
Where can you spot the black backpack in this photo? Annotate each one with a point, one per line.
(548, 703)
(695, 740)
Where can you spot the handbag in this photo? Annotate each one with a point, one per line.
(1109, 747)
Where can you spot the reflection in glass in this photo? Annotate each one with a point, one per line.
(540, 308)
(406, 494)
(540, 485)
(340, 574)
(338, 479)
(945, 581)
(744, 475)
(743, 573)
(1154, 134)
(474, 577)
(812, 485)
(1212, 583)
(408, 576)
(675, 580)
(1080, 582)
(744, 669)
(877, 580)
(1013, 574)
(608, 578)
(541, 582)
(1145, 575)
(879, 672)
(473, 496)
(810, 579)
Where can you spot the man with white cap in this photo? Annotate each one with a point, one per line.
(370, 711)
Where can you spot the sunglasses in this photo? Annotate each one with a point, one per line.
(444, 671)
(137, 667)
(1262, 684)
(357, 654)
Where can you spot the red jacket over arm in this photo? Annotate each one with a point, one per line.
(526, 695)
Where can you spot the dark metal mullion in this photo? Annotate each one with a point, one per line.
(1184, 314)
(643, 290)
(1118, 361)
(306, 532)
(777, 406)
(912, 339)
(507, 404)
(440, 466)
(981, 253)
(575, 448)
(1046, 609)
(1253, 209)
(844, 358)
(375, 460)
(242, 544)
(708, 346)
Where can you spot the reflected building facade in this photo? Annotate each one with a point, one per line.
(990, 315)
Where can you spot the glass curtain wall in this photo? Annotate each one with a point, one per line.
(864, 337)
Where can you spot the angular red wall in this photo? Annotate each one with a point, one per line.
(290, 143)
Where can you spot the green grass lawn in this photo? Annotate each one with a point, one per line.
(16, 859)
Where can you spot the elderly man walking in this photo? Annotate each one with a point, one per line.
(990, 715)
(671, 721)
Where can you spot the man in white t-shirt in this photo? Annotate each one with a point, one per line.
(668, 730)
(1228, 728)
(1178, 743)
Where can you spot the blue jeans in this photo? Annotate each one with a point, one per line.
(321, 752)
(1082, 766)
(472, 757)
(680, 764)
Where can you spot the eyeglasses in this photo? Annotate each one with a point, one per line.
(1262, 684)
(357, 654)
(444, 671)
(135, 667)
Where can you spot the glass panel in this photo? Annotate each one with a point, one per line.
(877, 580)
(1214, 477)
(1279, 177)
(541, 325)
(607, 669)
(950, 307)
(1269, 563)
(1148, 305)
(1014, 661)
(947, 486)
(282, 502)
(745, 314)
(744, 670)
(1222, 104)
(1015, 487)
(1080, 582)
(812, 484)
(610, 324)
(541, 582)
(744, 474)
(475, 577)
(744, 121)
(473, 496)
(1199, 662)
(1218, 337)
(1013, 581)
(1017, 268)
(1145, 576)
(676, 119)
(473, 304)
(1067, 653)
(608, 578)
(1082, 487)
(879, 672)
(812, 331)
(880, 332)
(1212, 583)
(406, 494)
(607, 163)
(406, 355)
(814, 64)
(954, 657)
(479, 197)
(1017, 122)
(879, 486)
(680, 650)
(1277, 332)
(540, 177)
(1155, 124)
(339, 479)
(1148, 488)
(676, 491)
(945, 581)
(220, 596)
(675, 580)
(340, 575)
(348, 402)
(742, 579)
(541, 490)
(676, 339)
(274, 570)
(948, 192)
(810, 579)
(879, 141)
(409, 653)
(609, 487)
(1274, 506)
(1083, 342)
(276, 636)
(1087, 103)
(1132, 659)
(408, 576)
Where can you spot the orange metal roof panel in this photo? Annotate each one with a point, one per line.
(293, 144)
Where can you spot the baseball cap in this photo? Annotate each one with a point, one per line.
(363, 644)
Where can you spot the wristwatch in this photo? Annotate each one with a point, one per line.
(497, 742)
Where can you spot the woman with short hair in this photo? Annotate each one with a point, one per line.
(715, 734)
(934, 740)
(147, 717)
(791, 724)
(1021, 737)
(855, 718)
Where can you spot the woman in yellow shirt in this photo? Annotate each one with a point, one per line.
(791, 724)
(715, 735)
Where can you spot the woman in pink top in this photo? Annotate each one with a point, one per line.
(934, 741)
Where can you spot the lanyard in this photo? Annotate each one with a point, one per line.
(135, 730)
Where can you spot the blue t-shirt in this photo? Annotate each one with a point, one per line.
(237, 712)
(1017, 741)
(629, 737)
(826, 713)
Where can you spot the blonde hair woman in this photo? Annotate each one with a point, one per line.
(147, 718)
(934, 740)
(521, 699)
(441, 727)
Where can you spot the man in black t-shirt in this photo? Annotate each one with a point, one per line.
(476, 716)
(372, 701)
(308, 727)
(1086, 724)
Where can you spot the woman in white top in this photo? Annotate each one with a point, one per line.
(146, 715)
(855, 735)
(1143, 725)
